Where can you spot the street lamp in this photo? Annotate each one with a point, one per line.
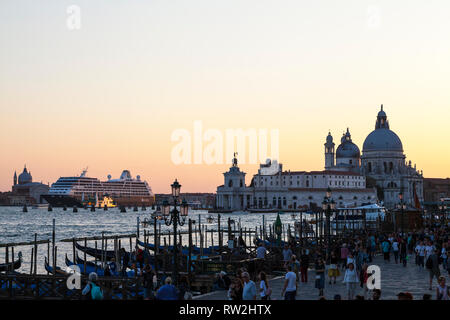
(328, 205)
(175, 218)
(443, 209)
(401, 206)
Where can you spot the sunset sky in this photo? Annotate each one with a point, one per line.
(110, 94)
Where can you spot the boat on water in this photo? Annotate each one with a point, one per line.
(82, 191)
(11, 266)
(185, 251)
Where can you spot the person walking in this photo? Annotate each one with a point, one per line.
(386, 247)
(148, 274)
(395, 249)
(432, 265)
(264, 289)
(287, 254)
(442, 290)
(333, 270)
(351, 280)
(295, 264)
(168, 291)
(290, 285)
(320, 275)
(249, 290)
(403, 252)
(304, 265)
(235, 290)
(344, 254)
(420, 254)
(92, 291)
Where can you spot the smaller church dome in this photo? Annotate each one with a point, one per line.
(347, 149)
(25, 177)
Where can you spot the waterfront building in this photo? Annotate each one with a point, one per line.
(380, 173)
(25, 191)
(273, 188)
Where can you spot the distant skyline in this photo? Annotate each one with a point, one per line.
(110, 94)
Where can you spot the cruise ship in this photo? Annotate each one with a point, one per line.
(84, 191)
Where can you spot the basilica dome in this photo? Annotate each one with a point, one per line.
(382, 138)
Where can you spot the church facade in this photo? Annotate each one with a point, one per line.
(379, 174)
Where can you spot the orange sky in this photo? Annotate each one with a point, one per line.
(109, 95)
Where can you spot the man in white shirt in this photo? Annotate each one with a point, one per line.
(261, 251)
(290, 285)
(420, 254)
(429, 249)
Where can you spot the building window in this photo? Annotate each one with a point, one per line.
(230, 183)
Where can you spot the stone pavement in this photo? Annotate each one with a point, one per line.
(394, 279)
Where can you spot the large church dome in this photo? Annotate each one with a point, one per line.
(382, 138)
(347, 149)
(25, 177)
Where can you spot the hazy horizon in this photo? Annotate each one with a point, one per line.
(110, 94)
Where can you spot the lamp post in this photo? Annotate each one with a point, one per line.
(401, 206)
(328, 205)
(175, 218)
(443, 209)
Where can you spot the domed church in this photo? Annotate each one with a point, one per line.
(382, 160)
(25, 191)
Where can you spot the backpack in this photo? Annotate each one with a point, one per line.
(96, 292)
(429, 263)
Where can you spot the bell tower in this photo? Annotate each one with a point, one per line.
(329, 152)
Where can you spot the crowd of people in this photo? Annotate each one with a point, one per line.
(345, 260)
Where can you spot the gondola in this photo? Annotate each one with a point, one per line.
(185, 251)
(97, 253)
(50, 269)
(12, 265)
(90, 267)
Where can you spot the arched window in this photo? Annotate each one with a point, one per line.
(369, 166)
(230, 183)
(391, 167)
(241, 184)
(307, 183)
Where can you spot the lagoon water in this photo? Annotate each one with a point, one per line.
(17, 226)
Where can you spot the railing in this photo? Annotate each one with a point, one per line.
(22, 286)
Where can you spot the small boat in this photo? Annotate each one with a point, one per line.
(184, 251)
(12, 265)
(52, 271)
(97, 253)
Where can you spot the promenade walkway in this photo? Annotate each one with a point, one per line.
(394, 279)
